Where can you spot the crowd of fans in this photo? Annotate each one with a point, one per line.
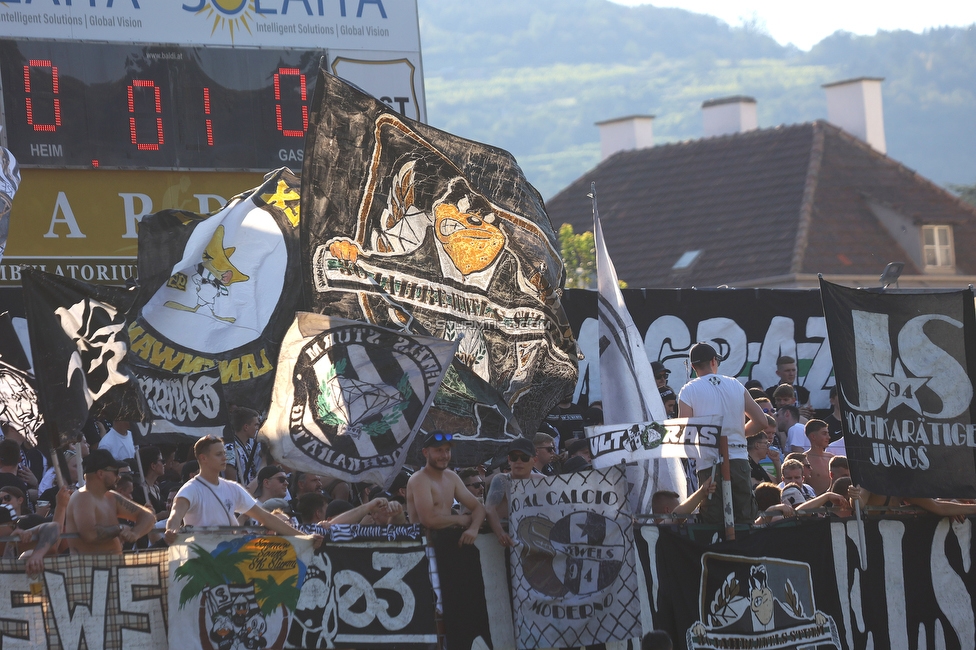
(110, 495)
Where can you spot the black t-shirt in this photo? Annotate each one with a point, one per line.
(758, 473)
(567, 421)
(12, 480)
(834, 427)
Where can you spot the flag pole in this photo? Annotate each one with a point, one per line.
(723, 449)
(862, 549)
(55, 458)
(81, 467)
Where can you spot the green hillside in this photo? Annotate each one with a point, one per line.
(533, 77)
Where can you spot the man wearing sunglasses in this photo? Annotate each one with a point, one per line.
(431, 492)
(94, 510)
(522, 456)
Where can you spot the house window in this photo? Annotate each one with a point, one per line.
(937, 247)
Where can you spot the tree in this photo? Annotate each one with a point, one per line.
(579, 257)
(966, 192)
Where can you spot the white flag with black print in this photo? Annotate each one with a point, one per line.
(18, 399)
(9, 182)
(573, 571)
(630, 394)
(350, 396)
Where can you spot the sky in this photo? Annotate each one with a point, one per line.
(804, 24)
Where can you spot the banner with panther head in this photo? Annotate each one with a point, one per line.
(78, 344)
(422, 231)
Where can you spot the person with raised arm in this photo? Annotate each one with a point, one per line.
(209, 500)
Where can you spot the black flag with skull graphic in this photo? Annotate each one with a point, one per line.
(904, 363)
(78, 343)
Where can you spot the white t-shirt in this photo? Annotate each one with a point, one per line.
(122, 447)
(214, 505)
(797, 437)
(805, 490)
(837, 448)
(725, 396)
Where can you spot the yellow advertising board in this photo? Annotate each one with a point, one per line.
(84, 223)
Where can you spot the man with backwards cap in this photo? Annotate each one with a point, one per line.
(94, 510)
(431, 492)
(713, 394)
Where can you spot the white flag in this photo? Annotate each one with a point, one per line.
(9, 182)
(349, 396)
(630, 394)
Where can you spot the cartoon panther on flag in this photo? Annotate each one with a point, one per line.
(422, 231)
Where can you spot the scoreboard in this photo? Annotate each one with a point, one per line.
(116, 109)
(113, 106)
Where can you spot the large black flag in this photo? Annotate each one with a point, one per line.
(220, 290)
(412, 228)
(903, 363)
(78, 343)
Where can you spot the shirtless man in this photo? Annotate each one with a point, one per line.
(522, 457)
(431, 492)
(819, 436)
(94, 510)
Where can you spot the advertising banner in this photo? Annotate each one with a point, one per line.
(84, 224)
(346, 24)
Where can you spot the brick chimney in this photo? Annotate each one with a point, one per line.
(736, 114)
(855, 106)
(625, 133)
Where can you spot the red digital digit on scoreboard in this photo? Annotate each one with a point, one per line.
(157, 105)
(29, 92)
(303, 92)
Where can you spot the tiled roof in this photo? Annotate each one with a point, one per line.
(760, 204)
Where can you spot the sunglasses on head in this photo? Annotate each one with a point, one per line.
(518, 456)
(443, 437)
